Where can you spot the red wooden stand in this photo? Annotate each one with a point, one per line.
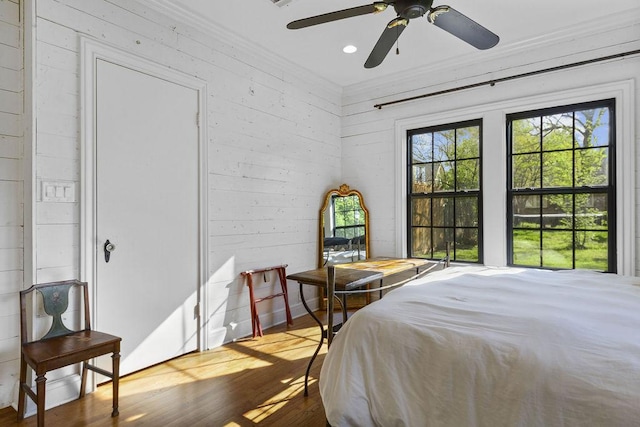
(255, 318)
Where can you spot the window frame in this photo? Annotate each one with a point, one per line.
(564, 88)
(453, 194)
(540, 191)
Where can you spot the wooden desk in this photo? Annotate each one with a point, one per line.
(344, 279)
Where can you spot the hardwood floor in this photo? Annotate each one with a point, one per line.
(245, 383)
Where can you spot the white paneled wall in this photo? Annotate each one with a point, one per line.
(371, 144)
(274, 149)
(11, 193)
(273, 145)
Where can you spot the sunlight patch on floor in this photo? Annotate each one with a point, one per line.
(227, 361)
(134, 418)
(157, 377)
(277, 402)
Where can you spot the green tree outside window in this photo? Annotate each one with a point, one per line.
(444, 204)
(561, 187)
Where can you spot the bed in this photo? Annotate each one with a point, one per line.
(477, 346)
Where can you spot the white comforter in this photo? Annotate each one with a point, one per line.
(475, 346)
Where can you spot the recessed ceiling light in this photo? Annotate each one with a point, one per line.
(349, 48)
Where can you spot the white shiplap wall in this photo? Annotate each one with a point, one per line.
(274, 149)
(371, 142)
(11, 190)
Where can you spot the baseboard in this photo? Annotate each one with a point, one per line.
(235, 331)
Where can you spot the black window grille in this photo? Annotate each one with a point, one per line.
(561, 187)
(444, 191)
(349, 216)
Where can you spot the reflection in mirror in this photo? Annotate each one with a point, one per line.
(344, 227)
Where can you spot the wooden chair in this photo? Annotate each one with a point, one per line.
(61, 346)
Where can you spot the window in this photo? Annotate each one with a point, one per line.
(349, 216)
(561, 187)
(444, 197)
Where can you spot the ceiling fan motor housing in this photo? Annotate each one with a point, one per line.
(410, 9)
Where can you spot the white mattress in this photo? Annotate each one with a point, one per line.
(476, 346)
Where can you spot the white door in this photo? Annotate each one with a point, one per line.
(147, 205)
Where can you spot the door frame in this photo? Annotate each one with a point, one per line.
(91, 51)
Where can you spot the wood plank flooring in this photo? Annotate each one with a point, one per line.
(246, 383)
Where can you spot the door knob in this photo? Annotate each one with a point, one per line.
(108, 248)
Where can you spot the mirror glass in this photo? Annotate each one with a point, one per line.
(344, 227)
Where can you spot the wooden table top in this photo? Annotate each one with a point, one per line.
(345, 279)
(355, 274)
(386, 266)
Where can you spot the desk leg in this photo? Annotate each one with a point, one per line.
(331, 293)
(322, 335)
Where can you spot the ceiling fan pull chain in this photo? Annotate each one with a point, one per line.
(397, 42)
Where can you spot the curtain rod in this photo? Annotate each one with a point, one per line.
(504, 79)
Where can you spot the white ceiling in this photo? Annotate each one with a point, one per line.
(319, 48)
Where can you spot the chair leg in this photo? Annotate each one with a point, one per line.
(115, 361)
(83, 380)
(21, 393)
(40, 387)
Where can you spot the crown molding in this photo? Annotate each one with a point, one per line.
(190, 18)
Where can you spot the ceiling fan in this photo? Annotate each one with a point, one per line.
(444, 17)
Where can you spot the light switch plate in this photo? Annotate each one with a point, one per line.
(59, 191)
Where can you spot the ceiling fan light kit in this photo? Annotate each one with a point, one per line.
(444, 17)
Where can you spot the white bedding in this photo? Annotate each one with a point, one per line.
(476, 346)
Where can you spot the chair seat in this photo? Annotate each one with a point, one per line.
(54, 353)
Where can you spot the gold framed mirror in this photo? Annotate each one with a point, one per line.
(343, 227)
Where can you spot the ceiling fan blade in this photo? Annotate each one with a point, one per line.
(462, 27)
(385, 42)
(337, 15)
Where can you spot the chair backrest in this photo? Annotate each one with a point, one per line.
(55, 303)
